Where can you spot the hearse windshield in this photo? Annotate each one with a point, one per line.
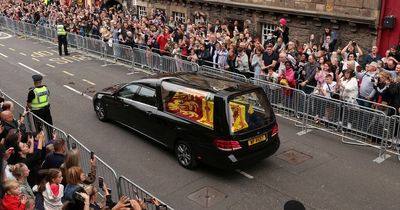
(249, 111)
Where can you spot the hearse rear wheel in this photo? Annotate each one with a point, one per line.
(185, 156)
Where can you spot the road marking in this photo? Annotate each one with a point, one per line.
(54, 51)
(35, 59)
(12, 49)
(91, 83)
(77, 91)
(37, 72)
(49, 65)
(22, 54)
(2, 45)
(4, 35)
(3, 55)
(244, 174)
(66, 72)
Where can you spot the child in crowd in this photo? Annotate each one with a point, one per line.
(54, 190)
(13, 199)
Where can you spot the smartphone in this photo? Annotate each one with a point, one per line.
(136, 194)
(92, 155)
(101, 182)
(162, 207)
(147, 200)
(73, 145)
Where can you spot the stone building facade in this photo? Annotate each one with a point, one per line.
(356, 20)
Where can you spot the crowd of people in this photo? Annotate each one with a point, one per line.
(321, 66)
(42, 174)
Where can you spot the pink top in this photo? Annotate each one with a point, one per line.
(289, 75)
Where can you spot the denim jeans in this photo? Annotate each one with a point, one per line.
(364, 102)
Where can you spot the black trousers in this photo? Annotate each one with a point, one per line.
(62, 40)
(45, 115)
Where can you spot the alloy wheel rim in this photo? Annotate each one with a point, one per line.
(100, 110)
(183, 153)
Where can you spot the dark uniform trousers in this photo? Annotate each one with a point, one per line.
(45, 115)
(62, 40)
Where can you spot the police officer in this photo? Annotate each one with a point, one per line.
(38, 100)
(62, 37)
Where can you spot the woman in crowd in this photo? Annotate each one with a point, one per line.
(73, 159)
(351, 48)
(26, 153)
(348, 86)
(21, 172)
(75, 181)
(257, 63)
(231, 61)
(222, 57)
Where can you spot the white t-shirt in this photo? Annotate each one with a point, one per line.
(328, 89)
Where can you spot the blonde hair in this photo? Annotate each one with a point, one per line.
(9, 184)
(72, 159)
(17, 170)
(74, 175)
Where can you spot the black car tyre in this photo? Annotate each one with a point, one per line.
(185, 156)
(100, 111)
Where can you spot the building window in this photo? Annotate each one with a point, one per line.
(267, 30)
(141, 11)
(179, 17)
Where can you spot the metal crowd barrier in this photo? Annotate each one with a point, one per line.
(102, 168)
(119, 186)
(392, 143)
(123, 53)
(141, 58)
(170, 64)
(222, 73)
(333, 116)
(94, 46)
(288, 102)
(132, 190)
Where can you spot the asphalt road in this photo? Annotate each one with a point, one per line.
(336, 176)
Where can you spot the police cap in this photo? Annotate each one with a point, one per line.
(37, 77)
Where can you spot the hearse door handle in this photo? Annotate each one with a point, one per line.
(149, 113)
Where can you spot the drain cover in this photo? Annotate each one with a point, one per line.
(294, 157)
(207, 196)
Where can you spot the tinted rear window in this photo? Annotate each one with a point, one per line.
(249, 111)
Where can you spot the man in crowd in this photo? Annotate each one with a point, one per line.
(310, 69)
(56, 159)
(367, 80)
(269, 57)
(373, 56)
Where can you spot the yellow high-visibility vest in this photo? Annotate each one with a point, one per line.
(41, 98)
(60, 30)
